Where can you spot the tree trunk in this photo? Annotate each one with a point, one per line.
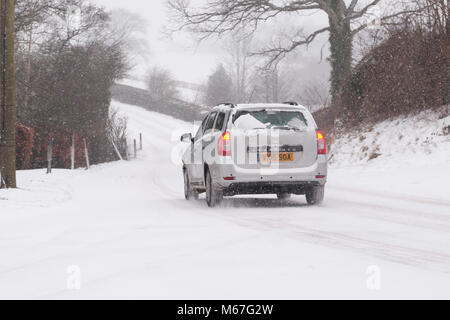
(8, 99)
(448, 18)
(341, 48)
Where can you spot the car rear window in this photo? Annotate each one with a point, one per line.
(270, 119)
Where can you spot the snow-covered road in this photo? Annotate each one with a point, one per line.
(125, 231)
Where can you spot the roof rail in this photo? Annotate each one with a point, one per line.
(291, 103)
(229, 104)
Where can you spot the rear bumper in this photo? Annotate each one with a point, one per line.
(228, 176)
(269, 187)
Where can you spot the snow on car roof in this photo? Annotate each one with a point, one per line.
(269, 105)
(262, 105)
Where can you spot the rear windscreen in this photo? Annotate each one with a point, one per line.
(270, 119)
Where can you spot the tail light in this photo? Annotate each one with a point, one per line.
(224, 145)
(321, 144)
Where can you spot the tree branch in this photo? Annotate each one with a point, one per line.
(352, 15)
(218, 16)
(280, 52)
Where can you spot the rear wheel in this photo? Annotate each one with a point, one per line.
(189, 193)
(213, 197)
(284, 196)
(315, 195)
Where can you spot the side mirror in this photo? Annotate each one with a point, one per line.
(187, 137)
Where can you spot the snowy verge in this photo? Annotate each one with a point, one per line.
(414, 138)
(402, 156)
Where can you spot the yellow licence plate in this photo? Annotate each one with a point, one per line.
(276, 157)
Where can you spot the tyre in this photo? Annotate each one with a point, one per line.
(315, 195)
(213, 196)
(189, 193)
(284, 196)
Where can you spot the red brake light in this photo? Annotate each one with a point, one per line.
(224, 145)
(321, 144)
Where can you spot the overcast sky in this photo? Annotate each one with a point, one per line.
(187, 60)
(182, 56)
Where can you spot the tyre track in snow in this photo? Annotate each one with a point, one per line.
(428, 259)
(357, 209)
(403, 216)
(169, 258)
(398, 197)
(395, 253)
(420, 258)
(160, 155)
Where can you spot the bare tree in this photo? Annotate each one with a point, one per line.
(222, 16)
(240, 65)
(405, 68)
(219, 87)
(435, 15)
(129, 29)
(271, 85)
(315, 95)
(161, 84)
(118, 130)
(29, 13)
(67, 62)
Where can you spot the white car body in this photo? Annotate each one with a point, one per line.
(235, 152)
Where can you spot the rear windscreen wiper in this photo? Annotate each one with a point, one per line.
(286, 128)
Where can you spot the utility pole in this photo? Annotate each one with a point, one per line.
(29, 59)
(8, 96)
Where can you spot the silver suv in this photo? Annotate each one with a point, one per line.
(256, 149)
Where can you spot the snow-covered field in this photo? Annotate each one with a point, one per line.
(125, 231)
(184, 94)
(139, 84)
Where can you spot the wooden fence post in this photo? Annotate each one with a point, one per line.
(49, 156)
(86, 154)
(72, 153)
(140, 141)
(116, 149)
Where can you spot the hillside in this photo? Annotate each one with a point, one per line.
(141, 97)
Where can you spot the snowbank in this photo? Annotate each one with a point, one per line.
(404, 156)
(417, 139)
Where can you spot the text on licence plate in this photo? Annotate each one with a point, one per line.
(276, 157)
